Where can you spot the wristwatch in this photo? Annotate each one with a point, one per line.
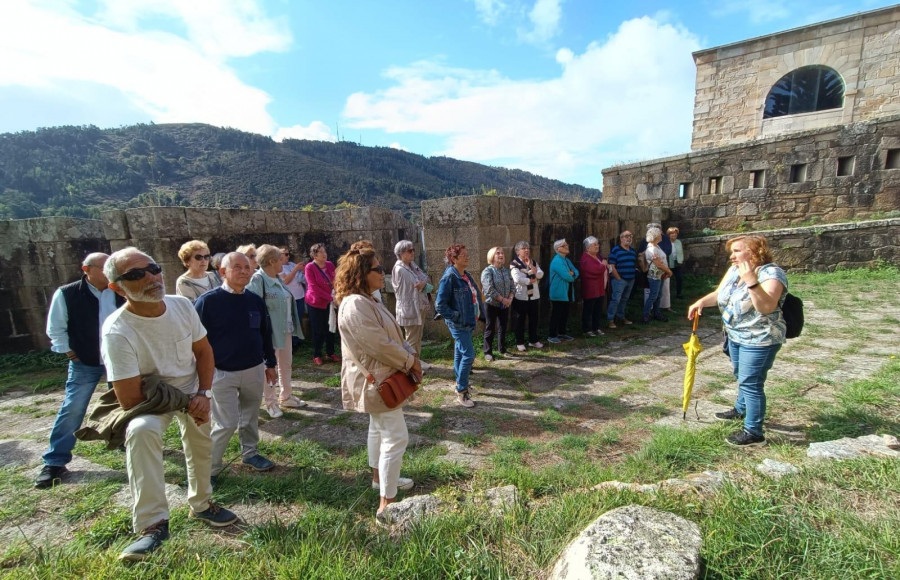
(204, 393)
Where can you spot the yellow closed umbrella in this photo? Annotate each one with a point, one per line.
(692, 349)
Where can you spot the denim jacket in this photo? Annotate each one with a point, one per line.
(454, 300)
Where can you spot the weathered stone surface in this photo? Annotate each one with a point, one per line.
(849, 448)
(404, 513)
(633, 543)
(502, 498)
(705, 482)
(776, 469)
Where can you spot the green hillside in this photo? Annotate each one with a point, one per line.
(79, 171)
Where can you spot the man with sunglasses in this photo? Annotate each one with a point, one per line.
(155, 334)
(77, 312)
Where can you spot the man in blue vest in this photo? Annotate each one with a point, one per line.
(77, 312)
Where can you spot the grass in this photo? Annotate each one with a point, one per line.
(832, 520)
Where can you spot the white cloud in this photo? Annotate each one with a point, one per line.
(316, 131)
(48, 46)
(636, 88)
(544, 18)
(489, 10)
(398, 146)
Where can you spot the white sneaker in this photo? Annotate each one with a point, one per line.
(521, 347)
(463, 398)
(274, 411)
(536, 344)
(293, 402)
(488, 357)
(403, 484)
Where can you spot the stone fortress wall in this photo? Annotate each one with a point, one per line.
(734, 80)
(828, 175)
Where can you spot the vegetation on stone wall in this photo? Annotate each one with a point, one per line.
(79, 171)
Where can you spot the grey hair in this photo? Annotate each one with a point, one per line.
(653, 233)
(94, 257)
(521, 245)
(266, 255)
(230, 257)
(111, 268)
(559, 243)
(590, 240)
(402, 246)
(654, 225)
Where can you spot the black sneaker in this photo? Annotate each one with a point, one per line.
(744, 438)
(729, 415)
(216, 516)
(660, 318)
(49, 476)
(151, 539)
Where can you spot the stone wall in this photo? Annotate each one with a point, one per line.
(734, 80)
(160, 231)
(483, 222)
(37, 256)
(808, 249)
(720, 193)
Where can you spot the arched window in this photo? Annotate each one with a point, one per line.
(805, 90)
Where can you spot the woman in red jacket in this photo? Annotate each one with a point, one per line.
(594, 276)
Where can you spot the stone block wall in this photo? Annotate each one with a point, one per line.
(808, 249)
(160, 231)
(39, 255)
(720, 192)
(36, 257)
(483, 222)
(734, 80)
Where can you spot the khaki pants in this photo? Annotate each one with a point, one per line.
(144, 462)
(283, 357)
(413, 335)
(235, 406)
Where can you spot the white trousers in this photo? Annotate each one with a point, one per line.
(283, 356)
(235, 406)
(146, 473)
(665, 298)
(387, 442)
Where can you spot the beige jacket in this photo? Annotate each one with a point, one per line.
(369, 332)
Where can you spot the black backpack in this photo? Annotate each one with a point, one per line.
(792, 310)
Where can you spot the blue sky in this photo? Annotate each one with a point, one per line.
(562, 88)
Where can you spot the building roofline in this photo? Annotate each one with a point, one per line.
(856, 16)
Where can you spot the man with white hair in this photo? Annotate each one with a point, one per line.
(77, 312)
(239, 330)
(155, 334)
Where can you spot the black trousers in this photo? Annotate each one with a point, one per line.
(559, 314)
(592, 313)
(497, 319)
(526, 310)
(318, 325)
(676, 273)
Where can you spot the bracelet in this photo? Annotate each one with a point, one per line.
(754, 286)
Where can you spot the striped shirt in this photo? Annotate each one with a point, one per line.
(624, 260)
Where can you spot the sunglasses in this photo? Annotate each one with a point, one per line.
(138, 273)
(379, 269)
(198, 257)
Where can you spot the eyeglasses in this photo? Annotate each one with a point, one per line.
(251, 256)
(136, 274)
(411, 250)
(198, 257)
(379, 269)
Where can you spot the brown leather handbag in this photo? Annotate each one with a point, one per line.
(397, 388)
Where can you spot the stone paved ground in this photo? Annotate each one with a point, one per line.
(593, 383)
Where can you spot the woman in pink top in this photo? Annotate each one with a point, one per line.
(594, 276)
(319, 274)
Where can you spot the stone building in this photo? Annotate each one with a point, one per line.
(795, 127)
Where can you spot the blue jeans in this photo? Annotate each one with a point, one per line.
(651, 303)
(751, 365)
(80, 387)
(621, 290)
(463, 355)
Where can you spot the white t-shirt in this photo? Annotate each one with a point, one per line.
(134, 345)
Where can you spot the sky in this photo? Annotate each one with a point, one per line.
(560, 88)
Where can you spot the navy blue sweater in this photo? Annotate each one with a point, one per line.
(238, 328)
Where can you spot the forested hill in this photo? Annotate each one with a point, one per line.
(79, 171)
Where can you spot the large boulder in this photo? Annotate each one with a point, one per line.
(849, 448)
(633, 543)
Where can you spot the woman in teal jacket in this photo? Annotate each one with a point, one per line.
(562, 291)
